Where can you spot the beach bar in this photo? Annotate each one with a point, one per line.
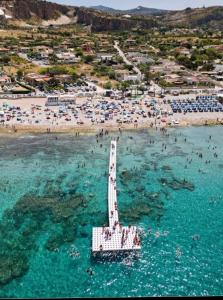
(115, 237)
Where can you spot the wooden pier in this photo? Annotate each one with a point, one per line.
(115, 237)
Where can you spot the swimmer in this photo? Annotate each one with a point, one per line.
(90, 271)
(178, 253)
(196, 237)
(157, 234)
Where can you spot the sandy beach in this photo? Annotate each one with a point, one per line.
(31, 109)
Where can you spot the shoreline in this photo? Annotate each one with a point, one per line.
(21, 130)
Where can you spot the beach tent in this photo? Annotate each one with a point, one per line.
(2, 113)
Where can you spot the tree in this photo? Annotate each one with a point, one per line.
(129, 67)
(74, 76)
(147, 76)
(125, 85)
(53, 58)
(188, 9)
(79, 52)
(107, 85)
(4, 60)
(88, 59)
(19, 74)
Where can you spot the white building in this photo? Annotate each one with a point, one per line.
(103, 57)
(124, 75)
(67, 57)
(57, 100)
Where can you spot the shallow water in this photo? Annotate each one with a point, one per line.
(52, 193)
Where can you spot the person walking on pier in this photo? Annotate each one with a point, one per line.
(116, 208)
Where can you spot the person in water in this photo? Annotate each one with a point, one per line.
(90, 271)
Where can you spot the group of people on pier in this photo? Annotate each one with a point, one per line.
(107, 232)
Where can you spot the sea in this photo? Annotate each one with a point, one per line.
(53, 191)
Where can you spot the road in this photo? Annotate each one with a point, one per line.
(129, 63)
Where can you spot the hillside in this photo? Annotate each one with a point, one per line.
(138, 11)
(46, 13)
(210, 17)
(106, 22)
(41, 11)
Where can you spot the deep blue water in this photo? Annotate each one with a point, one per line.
(53, 191)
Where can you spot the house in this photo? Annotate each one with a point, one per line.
(173, 79)
(218, 68)
(140, 58)
(87, 47)
(125, 75)
(191, 80)
(183, 51)
(67, 57)
(130, 42)
(218, 77)
(104, 57)
(63, 78)
(45, 54)
(24, 49)
(35, 79)
(4, 50)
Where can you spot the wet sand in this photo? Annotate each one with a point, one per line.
(83, 129)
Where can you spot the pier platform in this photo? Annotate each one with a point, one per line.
(115, 237)
(114, 242)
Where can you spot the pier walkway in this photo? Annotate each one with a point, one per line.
(115, 237)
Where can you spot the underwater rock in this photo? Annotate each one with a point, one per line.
(12, 266)
(126, 175)
(153, 196)
(140, 189)
(146, 166)
(163, 181)
(83, 234)
(131, 175)
(21, 226)
(166, 168)
(177, 184)
(133, 214)
(54, 242)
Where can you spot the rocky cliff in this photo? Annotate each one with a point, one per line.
(25, 9)
(106, 22)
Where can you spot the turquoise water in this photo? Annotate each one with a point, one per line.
(53, 191)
